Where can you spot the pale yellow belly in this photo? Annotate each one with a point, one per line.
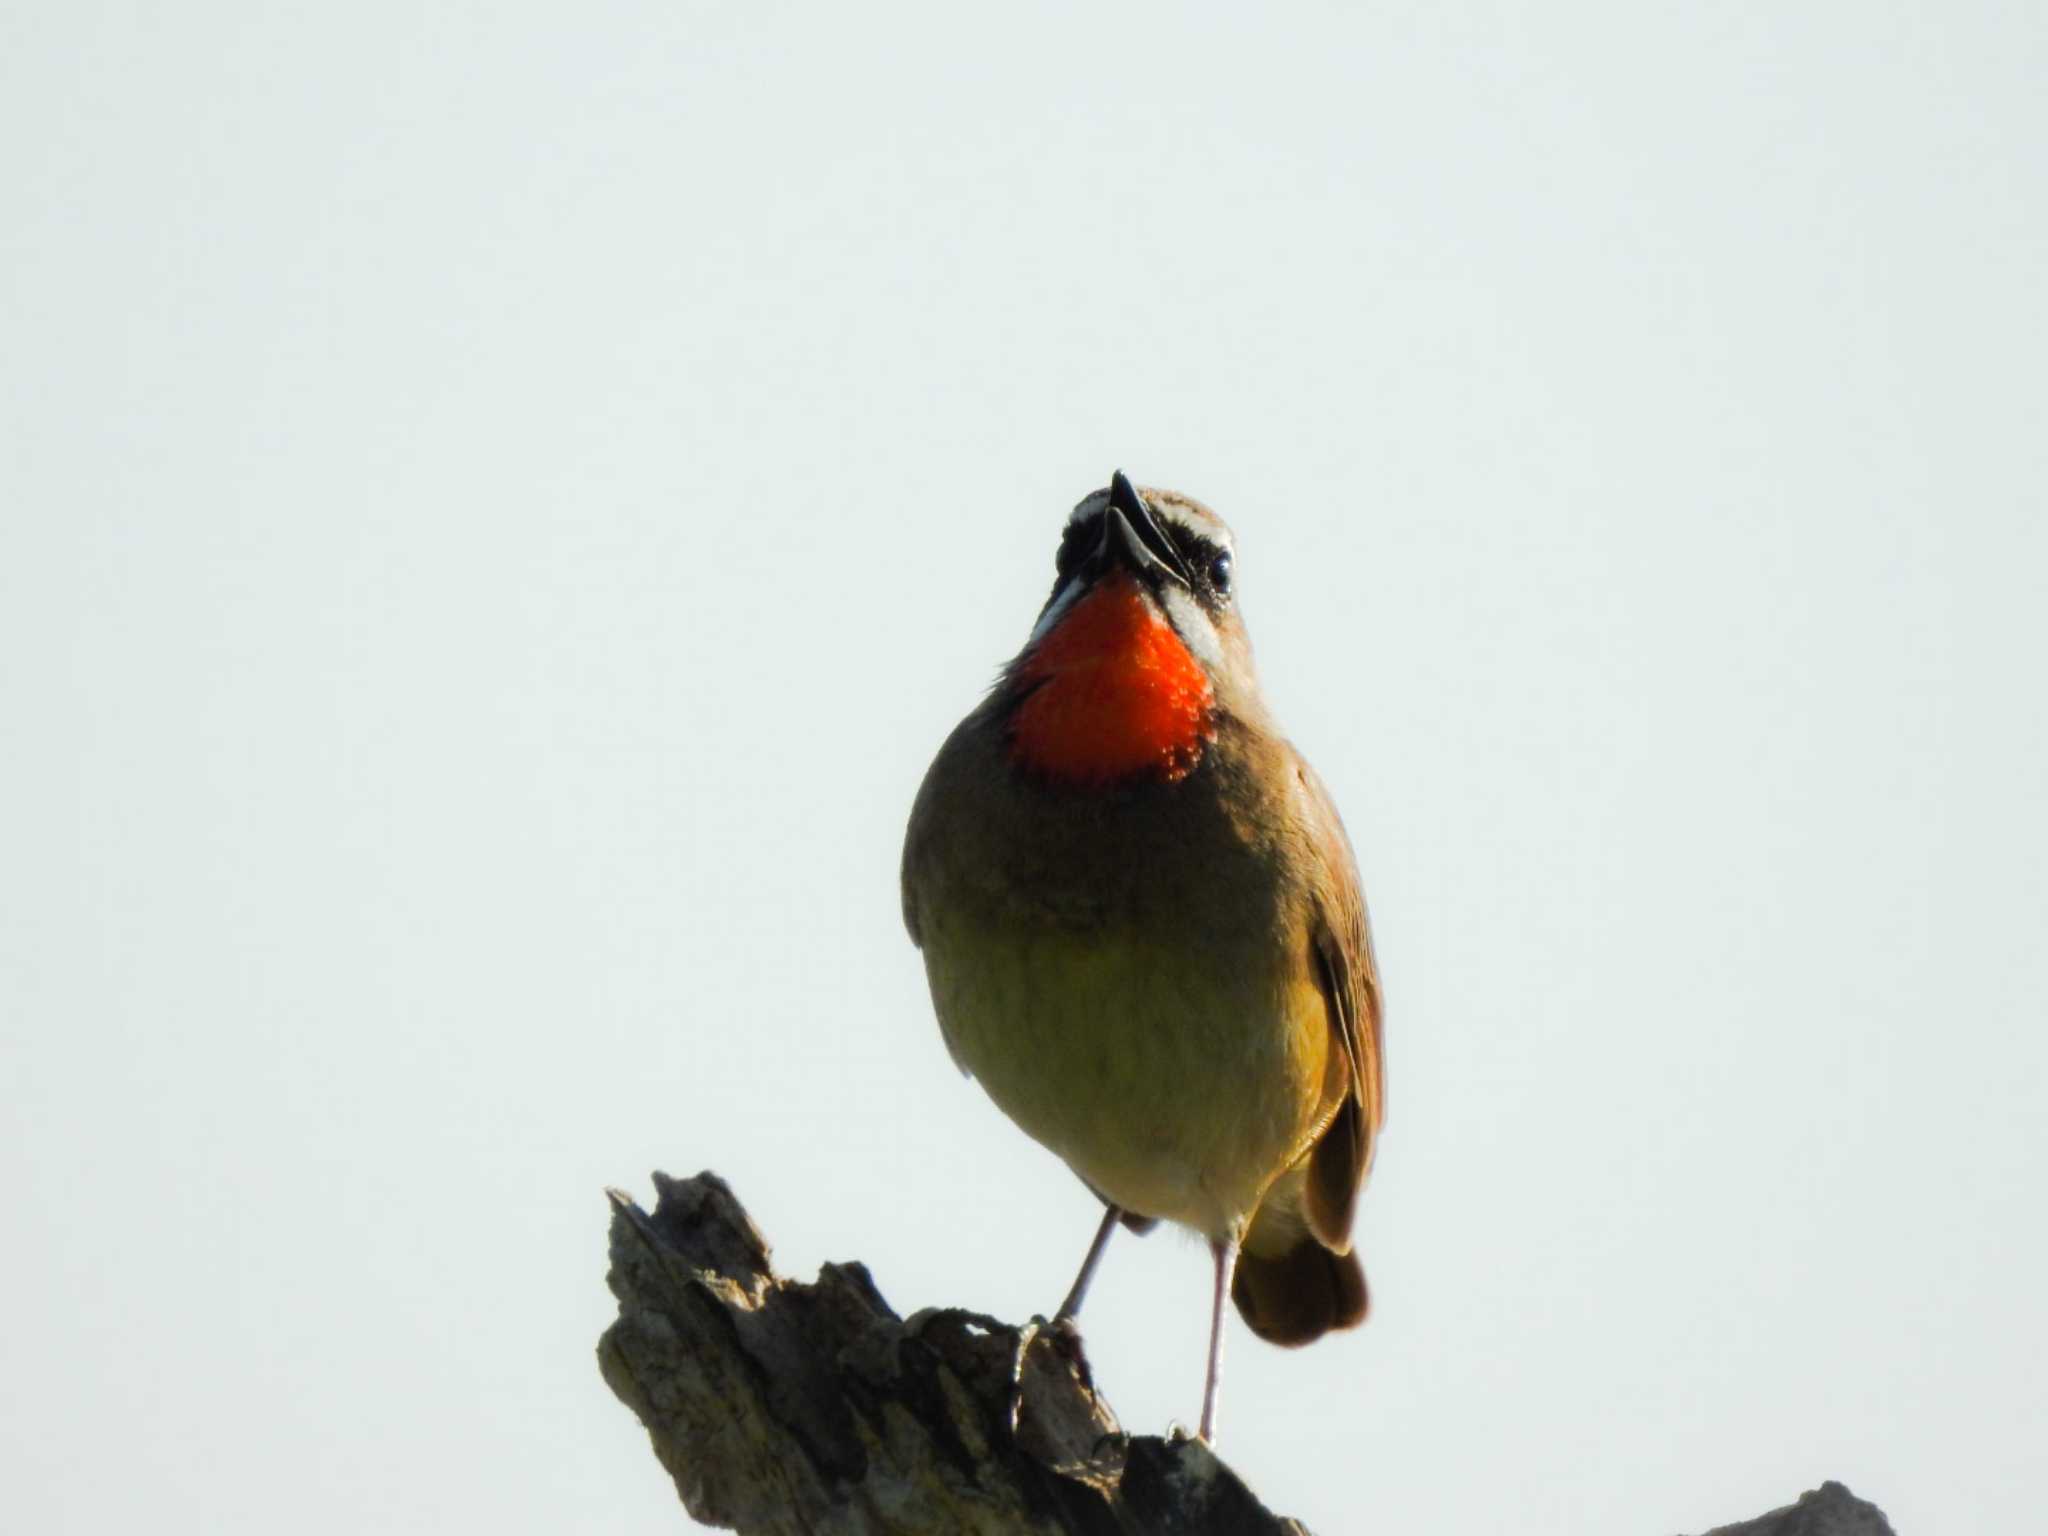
(1179, 1085)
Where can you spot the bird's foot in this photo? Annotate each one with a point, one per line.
(1062, 1336)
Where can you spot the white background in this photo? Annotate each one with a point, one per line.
(501, 503)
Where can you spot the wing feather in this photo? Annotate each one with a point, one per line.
(1348, 976)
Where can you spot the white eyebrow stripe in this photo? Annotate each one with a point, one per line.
(1208, 533)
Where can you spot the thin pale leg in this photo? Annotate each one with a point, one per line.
(1225, 1254)
(1071, 1307)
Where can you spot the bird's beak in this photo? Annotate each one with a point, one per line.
(1133, 539)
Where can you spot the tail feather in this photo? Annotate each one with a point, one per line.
(1298, 1296)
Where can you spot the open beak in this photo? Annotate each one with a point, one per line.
(1132, 538)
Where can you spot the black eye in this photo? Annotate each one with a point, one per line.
(1219, 574)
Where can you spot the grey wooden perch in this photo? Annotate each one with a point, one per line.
(785, 1409)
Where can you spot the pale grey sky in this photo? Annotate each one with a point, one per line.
(502, 502)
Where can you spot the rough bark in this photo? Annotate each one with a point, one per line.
(786, 1409)
(1829, 1510)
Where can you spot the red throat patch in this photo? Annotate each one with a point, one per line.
(1114, 694)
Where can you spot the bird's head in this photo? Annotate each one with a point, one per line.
(1139, 647)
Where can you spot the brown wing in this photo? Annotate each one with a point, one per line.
(1349, 978)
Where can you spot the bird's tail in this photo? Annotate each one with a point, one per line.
(1291, 1286)
(1298, 1296)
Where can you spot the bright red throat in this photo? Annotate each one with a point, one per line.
(1114, 694)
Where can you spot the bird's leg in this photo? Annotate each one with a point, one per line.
(1225, 1254)
(1071, 1307)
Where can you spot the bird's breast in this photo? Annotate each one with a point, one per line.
(1111, 693)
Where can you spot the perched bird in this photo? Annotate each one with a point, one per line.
(1143, 929)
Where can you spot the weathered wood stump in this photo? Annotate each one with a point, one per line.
(786, 1409)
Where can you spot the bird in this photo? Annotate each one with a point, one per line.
(1143, 929)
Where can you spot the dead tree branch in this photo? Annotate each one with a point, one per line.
(785, 1409)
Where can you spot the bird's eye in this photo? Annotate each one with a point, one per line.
(1219, 574)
